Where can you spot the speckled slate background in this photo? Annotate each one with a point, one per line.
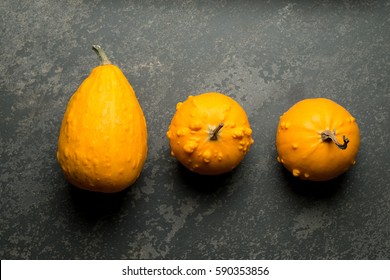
(265, 54)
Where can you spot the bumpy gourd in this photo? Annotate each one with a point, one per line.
(209, 133)
(102, 144)
(317, 139)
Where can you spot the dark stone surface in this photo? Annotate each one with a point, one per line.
(265, 54)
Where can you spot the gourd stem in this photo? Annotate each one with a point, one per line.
(102, 55)
(214, 133)
(329, 135)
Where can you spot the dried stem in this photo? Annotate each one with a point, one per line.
(102, 55)
(329, 135)
(214, 133)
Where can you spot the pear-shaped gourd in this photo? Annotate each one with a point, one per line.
(102, 144)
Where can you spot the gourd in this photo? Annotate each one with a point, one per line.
(317, 139)
(102, 143)
(209, 133)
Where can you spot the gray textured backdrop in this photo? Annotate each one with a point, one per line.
(265, 54)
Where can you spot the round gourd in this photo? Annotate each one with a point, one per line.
(317, 139)
(209, 133)
(102, 144)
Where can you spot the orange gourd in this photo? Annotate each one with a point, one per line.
(209, 133)
(102, 144)
(317, 139)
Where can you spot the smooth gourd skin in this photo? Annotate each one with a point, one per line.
(300, 146)
(102, 144)
(189, 133)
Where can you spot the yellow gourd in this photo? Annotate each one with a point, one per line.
(102, 144)
(317, 139)
(209, 133)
